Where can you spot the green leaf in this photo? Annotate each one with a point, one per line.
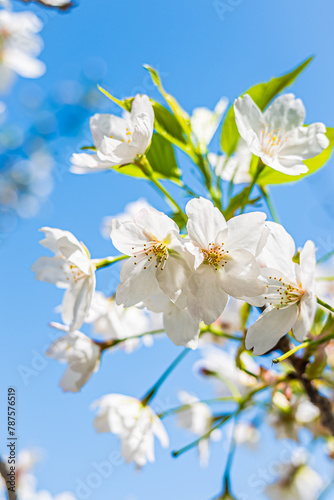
(162, 159)
(262, 94)
(180, 114)
(124, 104)
(178, 218)
(244, 315)
(167, 125)
(270, 176)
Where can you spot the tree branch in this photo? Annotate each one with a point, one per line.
(321, 402)
(62, 8)
(3, 472)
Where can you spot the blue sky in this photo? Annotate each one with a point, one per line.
(201, 56)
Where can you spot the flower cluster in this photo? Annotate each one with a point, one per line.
(207, 273)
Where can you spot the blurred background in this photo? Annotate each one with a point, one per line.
(203, 50)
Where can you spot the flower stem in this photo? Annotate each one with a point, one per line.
(324, 304)
(259, 169)
(219, 333)
(112, 343)
(325, 257)
(168, 196)
(242, 404)
(152, 392)
(269, 203)
(108, 261)
(292, 351)
(205, 436)
(146, 168)
(185, 407)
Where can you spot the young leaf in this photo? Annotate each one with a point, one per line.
(180, 114)
(162, 159)
(262, 94)
(167, 125)
(125, 103)
(165, 122)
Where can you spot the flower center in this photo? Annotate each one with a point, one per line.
(74, 274)
(272, 141)
(215, 255)
(154, 253)
(282, 293)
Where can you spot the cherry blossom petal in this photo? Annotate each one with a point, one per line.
(270, 327)
(137, 283)
(248, 117)
(207, 299)
(51, 270)
(181, 327)
(306, 313)
(245, 231)
(128, 237)
(278, 250)
(157, 225)
(205, 221)
(286, 113)
(308, 264)
(84, 163)
(305, 142)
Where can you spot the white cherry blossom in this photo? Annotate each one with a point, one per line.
(156, 258)
(205, 122)
(224, 257)
(287, 416)
(297, 480)
(130, 211)
(19, 47)
(246, 433)
(26, 482)
(134, 423)
(290, 292)
(198, 419)
(228, 378)
(118, 141)
(80, 353)
(181, 327)
(278, 136)
(115, 322)
(72, 268)
(234, 168)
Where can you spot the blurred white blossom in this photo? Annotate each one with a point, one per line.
(130, 211)
(71, 268)
(115, 322)
(297, 481)
(80, 353)
(198, 419)
(19, 47)
(134, 423)
(205, 122)
(228, 378)
(234, 168)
